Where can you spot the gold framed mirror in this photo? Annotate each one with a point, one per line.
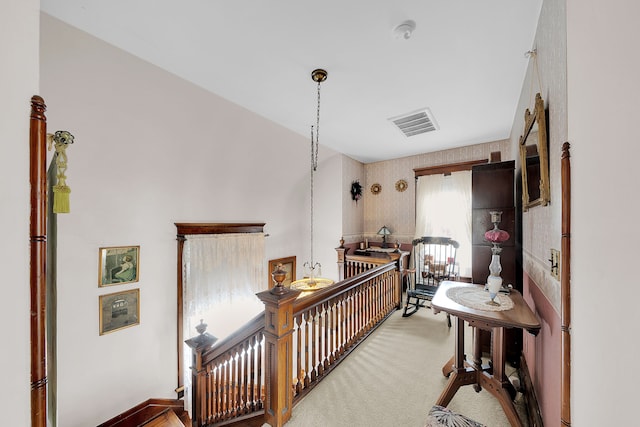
(534, 159)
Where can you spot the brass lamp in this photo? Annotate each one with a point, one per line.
(384, 232)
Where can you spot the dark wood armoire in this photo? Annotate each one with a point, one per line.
(493, 189)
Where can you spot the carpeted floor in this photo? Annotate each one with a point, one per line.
(394, 378)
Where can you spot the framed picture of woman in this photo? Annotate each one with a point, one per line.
(119, 265)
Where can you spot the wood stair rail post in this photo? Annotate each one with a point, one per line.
(38, 258)
(198, 344)
(342, 251)
(278, 334)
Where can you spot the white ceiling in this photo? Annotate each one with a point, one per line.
(465, 61)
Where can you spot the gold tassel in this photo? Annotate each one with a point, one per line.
(61, 191)
(61, 199)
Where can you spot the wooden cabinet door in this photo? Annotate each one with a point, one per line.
(493, 189)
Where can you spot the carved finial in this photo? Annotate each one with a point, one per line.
(201, 327)
(203, 340)
(278, 275)
(38, 107)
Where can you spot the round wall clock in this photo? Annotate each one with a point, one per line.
(401, 185)
(376, 188)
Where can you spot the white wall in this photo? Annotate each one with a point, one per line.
(18, 83)
(546, 74)
(352, 211)
(603, 93)
(151, 150)
(541, 225)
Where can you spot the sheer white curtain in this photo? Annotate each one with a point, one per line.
(443, 208)
(221, 275)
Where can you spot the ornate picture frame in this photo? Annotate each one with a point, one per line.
(119, 310)
(118, 265)
(289, 265)
(401, 185)
(534, 160)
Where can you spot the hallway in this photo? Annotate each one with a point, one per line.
(393, 379)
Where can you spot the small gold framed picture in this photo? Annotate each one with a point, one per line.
(119, 310)
(119, 265)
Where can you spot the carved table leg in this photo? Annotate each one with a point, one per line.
(501, 393)
(457, 380)
(459, 374)
(498, 356)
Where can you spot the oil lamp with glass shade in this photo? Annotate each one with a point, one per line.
(384, 232)
(496, 236)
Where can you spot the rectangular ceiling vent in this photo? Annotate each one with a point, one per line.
(415, 123)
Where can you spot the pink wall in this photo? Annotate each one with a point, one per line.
(543, 352)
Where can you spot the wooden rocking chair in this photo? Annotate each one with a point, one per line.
(434, 260)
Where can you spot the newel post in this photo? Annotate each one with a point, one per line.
(342, 251)
(278, 333)
(198, 344)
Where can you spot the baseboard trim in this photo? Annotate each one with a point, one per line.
(530, 397)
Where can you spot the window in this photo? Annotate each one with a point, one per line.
(443, 208)
(222, 264)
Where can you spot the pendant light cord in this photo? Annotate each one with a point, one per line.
(318, 76)
(315, 142)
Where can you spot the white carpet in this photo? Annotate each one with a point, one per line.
(394, 378)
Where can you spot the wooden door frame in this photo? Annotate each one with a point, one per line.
(185, 229)
(38, 259)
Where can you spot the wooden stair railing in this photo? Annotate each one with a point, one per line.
(228, 379)
(259, 373)
(331, 322)
(356, 264)
(150, 412)
(350, 265)
(167, 418)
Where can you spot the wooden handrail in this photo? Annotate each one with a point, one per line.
(145, 411)
(330, 326)
(266, 367)
(250, 328)
(323, 295)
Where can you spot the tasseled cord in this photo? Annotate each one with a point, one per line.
(61, 139)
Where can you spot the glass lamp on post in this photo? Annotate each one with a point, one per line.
(496, 236)
(384, 232)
